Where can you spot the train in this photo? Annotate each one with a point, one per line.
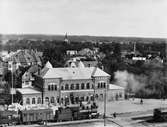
(42, 116)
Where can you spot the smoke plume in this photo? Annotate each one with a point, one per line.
(130, 81)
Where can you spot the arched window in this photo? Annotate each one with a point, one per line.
(33, 100)
(49, 88)
(67, 87)
(39, 100)
(46, 99)
(101, 84)
(77, 86)
(52, 87)
(55, 87)
(87, 86)
(62, 87)
(92, 86)
(52, 100)
(82, 86)
(104, 85)
(98, 85)
(28, 101)
(72, 86)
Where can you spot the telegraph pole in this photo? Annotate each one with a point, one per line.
(104, 106)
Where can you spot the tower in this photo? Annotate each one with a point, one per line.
(134, 48)
(66, 39)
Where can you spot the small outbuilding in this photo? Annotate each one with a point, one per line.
(115, 92)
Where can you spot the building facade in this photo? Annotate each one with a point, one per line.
(61, 85)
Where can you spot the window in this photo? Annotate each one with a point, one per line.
(120, 95)
(33, 100)
(77, 86)
(72, 86)
(96, 96)
(48, 87)
(62, 87)
(28, 101)
(55, 87)
(101, 85)
(82, 86)
(98, 85)
(82, 98)
(39, 100)
(26, 82)
(92, 86)
(67, 87)
(52, 86)
(104, 85)
(87, 86)
(46, 99)
(52, 100)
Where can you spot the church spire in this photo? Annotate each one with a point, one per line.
(66, 38)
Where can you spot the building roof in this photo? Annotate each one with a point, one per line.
(115, 87)
(23, 57)
(74, 73)
(33, 69)
(48, 65)
(28, 90)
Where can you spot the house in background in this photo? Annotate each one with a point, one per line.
(71, 52)
(22, 58)
(81, 62)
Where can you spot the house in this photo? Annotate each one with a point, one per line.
(86, 52)
(71, 52)
(115, 92)
(22, 58)
(29, 96)
(81, 62)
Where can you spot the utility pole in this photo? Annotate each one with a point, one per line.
(105, 99)
(105, 106)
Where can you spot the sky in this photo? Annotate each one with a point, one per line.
(139, 18)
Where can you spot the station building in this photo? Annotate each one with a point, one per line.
(66, 86)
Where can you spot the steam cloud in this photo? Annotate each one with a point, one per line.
(129, 80)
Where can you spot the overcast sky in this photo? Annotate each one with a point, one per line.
(142, 18)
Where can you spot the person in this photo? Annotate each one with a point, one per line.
(141, 101)
(114, 115)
